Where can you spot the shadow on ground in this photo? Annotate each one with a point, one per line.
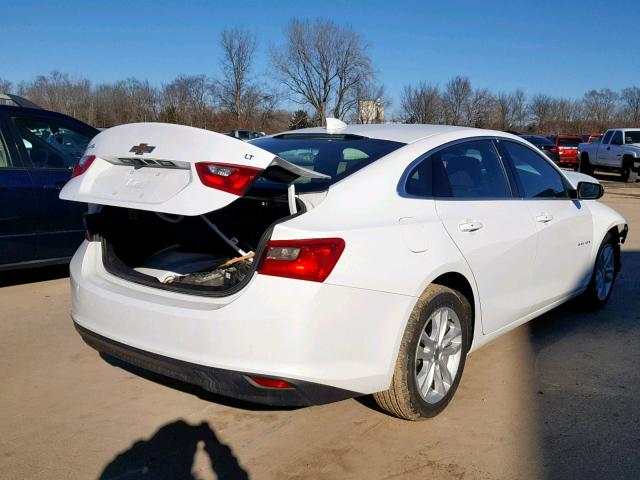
(170, 453)
(33, 275)
(589, 384)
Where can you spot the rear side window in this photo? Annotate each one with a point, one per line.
(335, 155)
(538, 179)
(607, 136)
(632, 136)
(469, 170)
(4, 156)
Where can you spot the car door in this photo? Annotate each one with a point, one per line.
(50, 147)
(489, 225)
(18, 206)
(604, 148)
(564, 224)
(614, 150)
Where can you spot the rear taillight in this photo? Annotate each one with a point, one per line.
(234, 179)
(311, 259)
(83, 165)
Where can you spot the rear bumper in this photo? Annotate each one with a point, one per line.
(304, 332)
(216, 380)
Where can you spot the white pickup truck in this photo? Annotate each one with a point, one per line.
(619, 151)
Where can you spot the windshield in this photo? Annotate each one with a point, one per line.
(632, 136)
(335, 155)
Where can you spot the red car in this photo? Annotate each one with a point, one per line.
(567, 149)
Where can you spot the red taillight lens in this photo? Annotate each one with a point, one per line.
(311, 259)
(83, 165)
(270, 382)
(234, 179)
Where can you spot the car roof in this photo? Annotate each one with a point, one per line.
(405, 133)
(41, 111)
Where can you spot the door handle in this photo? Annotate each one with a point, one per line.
(544, 218)
(608, 148)
(56, 185)
(470, 226)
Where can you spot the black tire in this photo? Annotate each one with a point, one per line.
(590, 296)
(628, 174)
(585, 165)
(403, 398)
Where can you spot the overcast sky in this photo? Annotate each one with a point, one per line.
(561, 48)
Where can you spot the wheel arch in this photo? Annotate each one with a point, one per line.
(460, 283)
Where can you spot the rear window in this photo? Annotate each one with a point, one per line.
(568, 142)
(335, 155)
(538, 140)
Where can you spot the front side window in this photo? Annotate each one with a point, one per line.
(617, 138)
(538, 179)
(469, 170)
(51, 145)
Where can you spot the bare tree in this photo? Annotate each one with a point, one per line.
(188, 99)
(630, 98)
(541, 109)
(455, 100)
(421, 104)
(479, 108)
(322, 64)
(600, 106)
(236, 89)
(503, 112)
(518, 108)
(5, 86)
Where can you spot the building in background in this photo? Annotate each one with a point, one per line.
(370, 110)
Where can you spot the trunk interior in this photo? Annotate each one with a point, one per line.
(213, 254)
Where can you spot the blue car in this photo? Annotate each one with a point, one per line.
(38, 149)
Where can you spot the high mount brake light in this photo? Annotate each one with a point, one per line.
(229, 178)
(310, 259)
(83, 165)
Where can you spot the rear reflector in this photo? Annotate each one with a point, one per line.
(234, 179)
(83, 165)
(270, 382)
(310, 259)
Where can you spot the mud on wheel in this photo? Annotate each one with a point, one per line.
(431, 357)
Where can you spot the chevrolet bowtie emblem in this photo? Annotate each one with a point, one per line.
(142, 148)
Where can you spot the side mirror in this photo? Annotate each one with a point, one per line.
(589, 190)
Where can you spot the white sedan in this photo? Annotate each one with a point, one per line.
(327, 263)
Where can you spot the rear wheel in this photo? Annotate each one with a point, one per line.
(628, 173)
(431, 357)
(585, 165)
(604, 273)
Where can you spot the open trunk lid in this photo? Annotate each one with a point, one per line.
(159, 167)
